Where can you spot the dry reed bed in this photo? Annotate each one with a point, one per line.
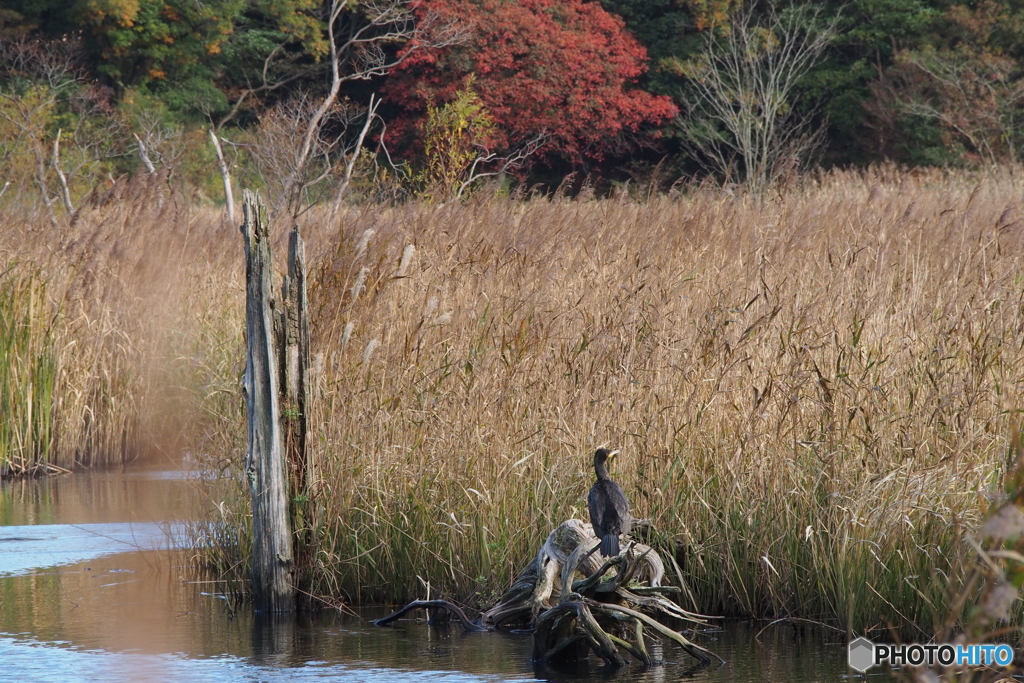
(812, 392)
(132, 309)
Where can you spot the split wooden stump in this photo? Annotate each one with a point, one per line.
(611, 614)
(277, 465)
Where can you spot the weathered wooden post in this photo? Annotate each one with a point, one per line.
(294, 337)
(294, 344)
(272, 555)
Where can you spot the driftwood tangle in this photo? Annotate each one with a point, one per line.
(608, 613)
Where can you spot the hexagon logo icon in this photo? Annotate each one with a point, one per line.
(861, 655)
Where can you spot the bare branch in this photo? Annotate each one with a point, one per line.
(970, 94)
(225, 174)
(162, 141)
(65, 194)
(742, 90)
(502, 164)
(353, 155)
(357, 43)
(266, 85)
(144, 155)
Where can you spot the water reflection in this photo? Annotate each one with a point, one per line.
(98, 498)
(24, 548)
(132, 616)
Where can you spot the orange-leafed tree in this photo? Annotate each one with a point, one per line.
(564, 69)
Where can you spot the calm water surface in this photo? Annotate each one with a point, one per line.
(89, 591)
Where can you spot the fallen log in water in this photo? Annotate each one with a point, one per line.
(604, 612)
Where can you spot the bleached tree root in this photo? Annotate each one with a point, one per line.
(568, 549)
(608, 613)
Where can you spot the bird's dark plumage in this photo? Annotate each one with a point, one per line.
(609, 509)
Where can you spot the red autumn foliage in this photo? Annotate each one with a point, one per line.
(562, 67)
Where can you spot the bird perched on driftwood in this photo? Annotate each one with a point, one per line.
(609, 509)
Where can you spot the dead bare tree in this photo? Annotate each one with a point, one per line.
(350, 154)
(271, 77)
(93, 138)
(144, 154)
(365, 40)
(40, 81)
(740, 114)
(975, 97)
(225, 174)
(361, 43)
(277, 152)
(37, 78)
(65, 191)
(159, 143)
(489, 164)
(274, 148)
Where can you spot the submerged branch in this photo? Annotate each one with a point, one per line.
(466, 622)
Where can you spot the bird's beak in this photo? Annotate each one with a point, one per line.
(612, 454)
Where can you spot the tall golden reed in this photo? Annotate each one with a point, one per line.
(129, 314)
(812, 392)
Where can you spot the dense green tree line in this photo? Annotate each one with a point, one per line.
(899, 81)
(933, 82)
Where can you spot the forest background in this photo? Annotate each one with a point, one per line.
(452, 91)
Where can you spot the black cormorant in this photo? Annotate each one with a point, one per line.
(609, 509)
